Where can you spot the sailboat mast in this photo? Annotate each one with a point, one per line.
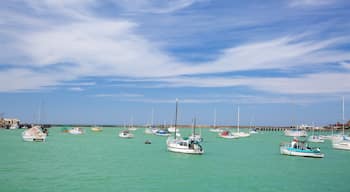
(343, 119)
(238, 119)
(175, 119)
(152, 117)
(214, 118)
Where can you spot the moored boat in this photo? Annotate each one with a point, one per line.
(34, 134)
(76, 131)
(300, 148)
(96, 129)
(126, 134)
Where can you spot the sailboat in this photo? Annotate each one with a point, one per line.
(215, 129)
(227, 134)
(131, 127)
(180, 145)
(296, 132)
(315, 138)
(343, 142)
(194, 136)
(239, 133)
(76, 131)
(151, 129)
(125, 133)
(35, 133)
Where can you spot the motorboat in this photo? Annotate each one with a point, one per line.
(76, 131)
(126, 134)
(300, 148)
(253, 131)
(34, 134)
(162, 132)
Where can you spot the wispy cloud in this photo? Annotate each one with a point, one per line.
(306, 3)
(124, 95)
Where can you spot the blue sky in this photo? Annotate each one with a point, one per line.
(107, 62)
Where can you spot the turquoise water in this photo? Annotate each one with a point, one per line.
(101, 161)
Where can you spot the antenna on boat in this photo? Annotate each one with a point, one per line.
(176, 117)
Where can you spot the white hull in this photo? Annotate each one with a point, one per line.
(171, 129)
(15, 126)
(73, 132)
(148, 131)
(342, 145)
(253, 132)
(174, 146)
(216, 130)
(96, 129)
(285, 151)
(127, 136)
(34, 134)
(241, 134)
(164, 135)
(229, 136)
(132, 129)
(291, 133)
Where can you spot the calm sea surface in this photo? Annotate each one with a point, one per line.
(101, 161)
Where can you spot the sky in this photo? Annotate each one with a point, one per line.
(282, 62)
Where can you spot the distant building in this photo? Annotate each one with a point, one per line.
(7, 122)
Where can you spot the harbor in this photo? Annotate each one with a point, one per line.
(103, 161)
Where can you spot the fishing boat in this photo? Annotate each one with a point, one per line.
(180, 145)
(342, 142)
(76, 131)
(34, 134)
(96, 129)
(215, 129)
(126, 134)
(239, 133)
(300, 148)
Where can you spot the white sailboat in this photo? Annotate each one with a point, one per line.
(125, 133)
(34, 134)
(215, 129)
(295, 132)
(239, 133)
(194, 136)
(343, 143)
(151, 129)
(179, 145)
(315, 138)
(131, 127)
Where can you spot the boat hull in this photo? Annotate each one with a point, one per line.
(291, 133)
(341, 145)
(291, 152)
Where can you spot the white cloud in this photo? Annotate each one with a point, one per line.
(86, 45)
(305, 3)
(76, 89)
(155, 6)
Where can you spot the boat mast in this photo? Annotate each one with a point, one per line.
(343, 117)
(175, 119)
(152, 118)
(238, 119)
(214, 118)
